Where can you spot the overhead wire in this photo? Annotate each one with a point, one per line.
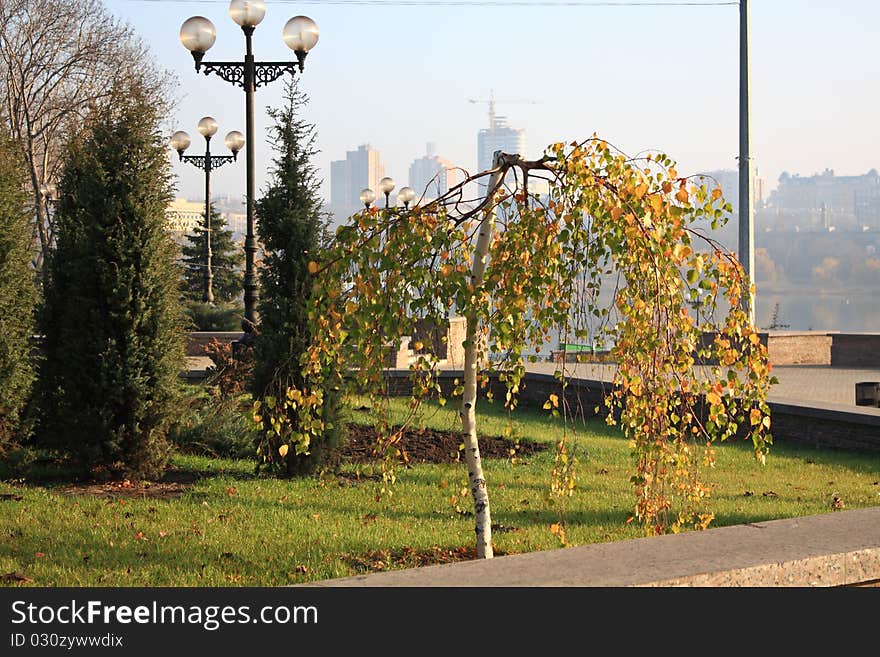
(466, 3)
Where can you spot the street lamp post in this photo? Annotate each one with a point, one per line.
(197, 34)
(367, 197)
(746, 184)
(386, 185)
(406, 196)
(180, 141)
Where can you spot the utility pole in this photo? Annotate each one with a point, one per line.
(746, 192)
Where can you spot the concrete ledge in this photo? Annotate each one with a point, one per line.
(856, 350)
(833, 549)
(867, 415)
(825, 425)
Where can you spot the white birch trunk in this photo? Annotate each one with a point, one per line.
(476, 480)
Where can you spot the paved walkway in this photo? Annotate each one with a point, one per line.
(832, 549)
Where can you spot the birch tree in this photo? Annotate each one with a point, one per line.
(521, 267)
(59, 59)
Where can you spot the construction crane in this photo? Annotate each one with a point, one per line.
(492, 100)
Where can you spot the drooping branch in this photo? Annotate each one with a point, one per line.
(607, 253)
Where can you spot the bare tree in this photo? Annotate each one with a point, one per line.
(58, 60)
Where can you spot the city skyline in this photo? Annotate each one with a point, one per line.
(362, 168)
(642, 77)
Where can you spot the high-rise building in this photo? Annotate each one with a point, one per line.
(498, 136)
(431, 176)
(361, 168)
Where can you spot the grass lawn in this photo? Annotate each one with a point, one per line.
(230, 528)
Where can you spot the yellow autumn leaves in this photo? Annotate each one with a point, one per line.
(604, 211)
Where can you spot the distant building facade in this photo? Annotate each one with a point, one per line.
(431, 176)
(499, 136)
(825, 201)
(728, 180)
(183, 216)
(361, 168)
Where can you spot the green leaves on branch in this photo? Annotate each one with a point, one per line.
(611, 226)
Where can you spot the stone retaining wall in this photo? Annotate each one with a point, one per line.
(824, 348)
(800, 348)
(198, 340)
(855, 349)
(825, 425)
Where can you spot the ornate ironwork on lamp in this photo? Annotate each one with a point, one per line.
(197, 34)
(180, 141)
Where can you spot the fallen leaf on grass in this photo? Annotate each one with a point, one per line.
(837, 502)
(231, 491)
(15, 577)
(748, 493)
(770, 493)
(11, 496)
(40, 555)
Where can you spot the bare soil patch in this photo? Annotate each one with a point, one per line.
(431, 446)
(127, 489)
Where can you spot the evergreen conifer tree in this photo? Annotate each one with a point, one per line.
(226, 261)
(291, 227)
(113, 339)
(17, 295)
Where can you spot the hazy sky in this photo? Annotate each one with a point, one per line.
(642, 77)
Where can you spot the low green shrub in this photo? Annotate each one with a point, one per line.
(213, 424)
(214, 316)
